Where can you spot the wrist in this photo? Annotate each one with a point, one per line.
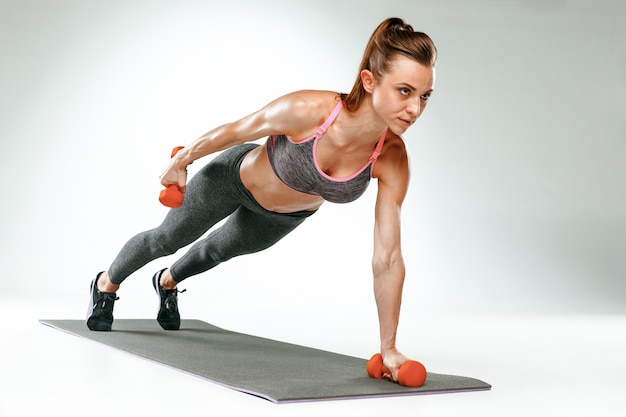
(386, 350)
(183, 159)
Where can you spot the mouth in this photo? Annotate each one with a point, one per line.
(407, 122)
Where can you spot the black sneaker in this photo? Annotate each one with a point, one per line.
(100, 310)
(168, 317)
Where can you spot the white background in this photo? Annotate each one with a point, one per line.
(515, 215)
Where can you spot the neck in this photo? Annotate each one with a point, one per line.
(363, 125)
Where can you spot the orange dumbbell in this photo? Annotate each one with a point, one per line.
(172, 196)
(411, 373)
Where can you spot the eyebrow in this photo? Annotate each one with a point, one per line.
(405, 84)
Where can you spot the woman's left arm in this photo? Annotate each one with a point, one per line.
(392, 171)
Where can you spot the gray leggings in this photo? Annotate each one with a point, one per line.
(213, 194)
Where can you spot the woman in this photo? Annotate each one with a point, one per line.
(321, 146)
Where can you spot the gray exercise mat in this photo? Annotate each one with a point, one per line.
(279, 372)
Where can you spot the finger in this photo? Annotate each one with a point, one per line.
(182, 183)
(394, 374)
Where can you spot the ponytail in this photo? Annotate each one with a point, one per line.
(393, 36)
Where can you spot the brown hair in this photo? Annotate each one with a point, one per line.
(393, 36)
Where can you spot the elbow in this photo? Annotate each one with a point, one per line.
(387, 262)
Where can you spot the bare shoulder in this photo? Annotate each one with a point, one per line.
(298, 112)
(392, 170)
(394, 159)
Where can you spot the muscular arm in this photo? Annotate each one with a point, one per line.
(290, 114)
(387, 263)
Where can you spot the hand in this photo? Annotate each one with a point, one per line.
(174, 175)
(392, 359)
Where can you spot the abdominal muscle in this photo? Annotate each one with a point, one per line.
(268, 190)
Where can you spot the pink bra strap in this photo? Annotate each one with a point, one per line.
(329, 121)
(379, 147)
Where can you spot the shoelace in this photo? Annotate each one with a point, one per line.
(171, 301)
(106, 302)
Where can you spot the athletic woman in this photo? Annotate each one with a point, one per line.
(321, 146)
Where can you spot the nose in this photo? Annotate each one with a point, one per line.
(415, 107)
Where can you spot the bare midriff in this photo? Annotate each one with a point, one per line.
(268, 190)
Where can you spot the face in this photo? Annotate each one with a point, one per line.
(400, 96)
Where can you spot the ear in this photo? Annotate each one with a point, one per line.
(368, 80)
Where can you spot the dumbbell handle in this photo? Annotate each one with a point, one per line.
(411, 373)
(171, 196)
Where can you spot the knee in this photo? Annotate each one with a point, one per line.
(162, 244)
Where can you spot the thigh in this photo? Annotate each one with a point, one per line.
(209, 198)
(248, 231)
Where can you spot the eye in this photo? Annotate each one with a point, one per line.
(426, 96)
(404, 92)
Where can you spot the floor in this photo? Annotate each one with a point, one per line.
(538, 366)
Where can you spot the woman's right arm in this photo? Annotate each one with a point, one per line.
(251, 127)
(284, 115)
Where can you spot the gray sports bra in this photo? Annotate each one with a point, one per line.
(295, 163)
